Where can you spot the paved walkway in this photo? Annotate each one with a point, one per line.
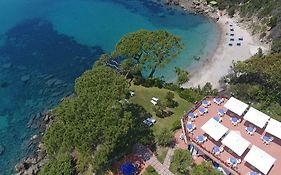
(167, 161)
(148, 156)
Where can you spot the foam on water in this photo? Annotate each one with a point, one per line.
(46, 44)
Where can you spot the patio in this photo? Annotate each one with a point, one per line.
(273, 148)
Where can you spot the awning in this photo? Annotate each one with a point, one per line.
(256, 117)
(274, 127)
(236, 106)
(260, 159)
(236, 142)
(214, 129)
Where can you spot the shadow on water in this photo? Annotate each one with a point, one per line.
(34, 44)
(161, 15)
(37, 68)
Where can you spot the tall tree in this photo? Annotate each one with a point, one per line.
(181, 161)
(147, 50)
(203, 169)
(95, 125)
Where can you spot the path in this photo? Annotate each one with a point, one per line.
(148, 156)
(167, 161)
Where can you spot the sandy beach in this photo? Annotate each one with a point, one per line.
(218, 65)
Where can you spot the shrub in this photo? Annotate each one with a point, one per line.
(176, 125)
(150, 171)
(181, 161)
(231, 11)
(183, 76)
(190, 95)
(165, 137)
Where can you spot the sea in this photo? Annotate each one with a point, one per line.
(46, 44)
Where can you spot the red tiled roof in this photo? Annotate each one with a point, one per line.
(274, 148)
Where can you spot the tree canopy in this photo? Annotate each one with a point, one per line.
(182, 161)
(96, 124)
(147, 50)
(258, 80)
(203, 169)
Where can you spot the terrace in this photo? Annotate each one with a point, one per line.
(237, 140)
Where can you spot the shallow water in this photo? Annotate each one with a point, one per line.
(46, 44)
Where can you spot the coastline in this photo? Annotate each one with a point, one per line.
(221, 58)
(219, 63)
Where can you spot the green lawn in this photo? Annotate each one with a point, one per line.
(150, 171)
(161, 153)
(143, 96)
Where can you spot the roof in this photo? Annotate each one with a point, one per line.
(260, 159)
(256, 117)
(236, 106)
(274, 127)
(232, 139)
(214, 129)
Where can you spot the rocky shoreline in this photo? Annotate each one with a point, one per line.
(31, 165)
(196, 6)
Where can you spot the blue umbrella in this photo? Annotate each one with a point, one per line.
(221, 111)
(234, 119)
(218, 100)
(128, 169)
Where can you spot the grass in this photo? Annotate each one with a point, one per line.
(161, 153)
(143, 96)
(150, 171)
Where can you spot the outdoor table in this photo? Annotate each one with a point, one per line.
(216, 149)
(205, 102)
(252, 173)
(250, 129)
(266, 138)
(202, 110)
(191, 116)
(234, 120)
(233, 161)
(189, 127)
(200, 138)
(221, 111)
(217, 118)
(218, 100)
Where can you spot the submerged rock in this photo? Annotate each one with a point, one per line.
(25, 78)
(2, 150)
(7, 65)
(3, 84)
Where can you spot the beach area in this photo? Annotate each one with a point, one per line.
(214, 68)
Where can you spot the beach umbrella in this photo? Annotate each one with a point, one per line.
(128, 169)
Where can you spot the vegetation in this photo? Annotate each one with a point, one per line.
(203, 169)
(143, 96)
(183, 76)
(263, 13)
(165, 137)
(63, 164)
(150, 171)
(181, 162)
(258, 81)
(161, 153)
(147, 50)
(93, 122)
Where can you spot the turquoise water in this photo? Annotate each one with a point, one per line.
(46, 44)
